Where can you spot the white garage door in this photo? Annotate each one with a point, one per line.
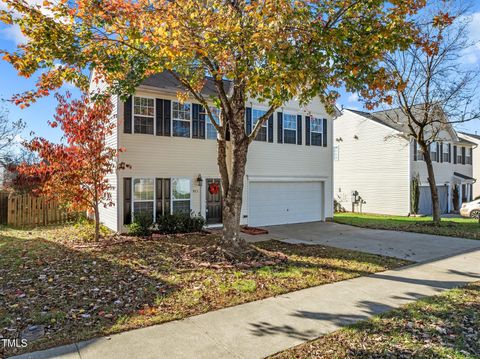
(273, 203)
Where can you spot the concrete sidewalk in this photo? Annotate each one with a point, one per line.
(258, 329)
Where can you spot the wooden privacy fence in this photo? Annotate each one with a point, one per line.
(3, 207)
(28, 210)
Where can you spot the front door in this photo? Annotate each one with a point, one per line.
(214, 201)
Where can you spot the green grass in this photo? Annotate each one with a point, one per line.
(443, 326)
(453, 227)
(79, 290)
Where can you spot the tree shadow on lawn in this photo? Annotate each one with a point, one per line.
(81, 290)
(75, 294)
(443, 326)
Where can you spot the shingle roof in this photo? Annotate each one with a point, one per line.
(471, 135)
(166, 81)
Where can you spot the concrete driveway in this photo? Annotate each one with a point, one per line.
(406, 245)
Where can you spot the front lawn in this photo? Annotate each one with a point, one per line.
(77, 290)
(453, 227)
(444, 326)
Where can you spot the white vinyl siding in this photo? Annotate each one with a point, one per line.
(173, 157)
(375, 163)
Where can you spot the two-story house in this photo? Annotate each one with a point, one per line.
(376, 160)
(172, 150)
(475, 138)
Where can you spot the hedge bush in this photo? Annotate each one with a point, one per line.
(141, 226)
(179, 223)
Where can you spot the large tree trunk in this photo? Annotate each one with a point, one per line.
(232, 160)
(433, 185)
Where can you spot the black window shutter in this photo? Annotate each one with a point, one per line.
(127, 200)
(471, 157)
(307, 130)
(299, 129)
(463, 155)
(158, 198)
(127, 115)
(455, 154)
(201, 123)
(167, 117)
(450, 152)
(159, 116)
(195, 120)
(279, 127)
(248, 120)
(270, 128)
(440, 146)
(166, 196)
(325, 132)
(415, 150)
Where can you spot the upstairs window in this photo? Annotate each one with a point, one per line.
(468, 156)
(143, 196)
(446, 153)
(181, 118)
(143, 115)
(459, 155)
(289, 128)
(433, 151)
(210, 129)
(316, 131)
(262, 134)
(181, 195)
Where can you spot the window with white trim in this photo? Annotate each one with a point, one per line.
(468, 156)
(446, 153)
(143, 196)
(181, 119)
(262, 133)
(459, 155)
(433, 151)
(336, 153)
(181, 194)
(211, 131)
(143, 115)
(289, 128)
(316, 131)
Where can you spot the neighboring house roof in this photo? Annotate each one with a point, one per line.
(467, 136)
(460, 175)
(166, 81)
(397, 120)
(372, 117)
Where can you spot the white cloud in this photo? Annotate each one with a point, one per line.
(353, 98)
(471, 55)
(13, 33)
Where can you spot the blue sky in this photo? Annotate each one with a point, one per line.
(37, 115)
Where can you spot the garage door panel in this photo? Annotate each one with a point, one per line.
(284, 202)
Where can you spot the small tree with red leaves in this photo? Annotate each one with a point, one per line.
(74, 171)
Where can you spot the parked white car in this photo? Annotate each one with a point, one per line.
(471, 209)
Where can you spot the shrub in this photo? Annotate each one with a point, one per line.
(141, 226)
(85, 229)
(179, 223)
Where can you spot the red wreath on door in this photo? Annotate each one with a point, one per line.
(213, 188)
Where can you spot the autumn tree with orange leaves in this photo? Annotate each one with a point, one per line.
(74, 171)
(272, 50)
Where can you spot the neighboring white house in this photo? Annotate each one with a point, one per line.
(375, 163)
(475, 160)
(172, 150)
